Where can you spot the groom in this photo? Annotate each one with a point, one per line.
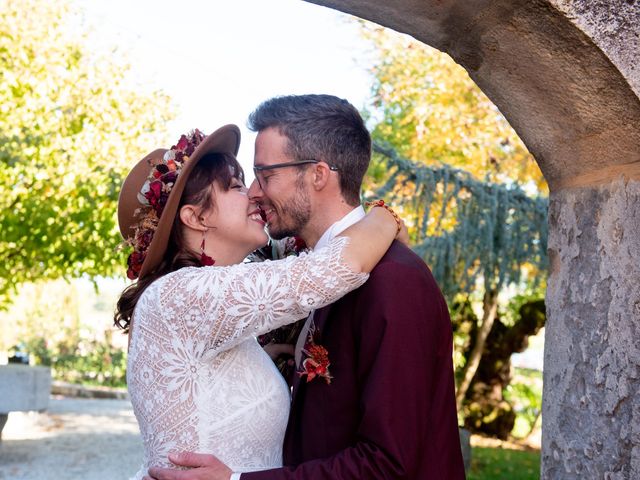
(389, 411)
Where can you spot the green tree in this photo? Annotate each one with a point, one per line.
(53, 323)
(71, 124)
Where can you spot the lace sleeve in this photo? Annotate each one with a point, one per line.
(250, 299)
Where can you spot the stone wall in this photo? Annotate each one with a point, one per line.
(613, 26)
(592, 356)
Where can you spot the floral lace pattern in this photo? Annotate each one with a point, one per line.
(197, 377)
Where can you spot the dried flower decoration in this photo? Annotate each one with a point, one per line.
(316, 363)
(154, 195)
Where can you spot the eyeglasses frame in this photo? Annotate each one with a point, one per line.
(262, 168)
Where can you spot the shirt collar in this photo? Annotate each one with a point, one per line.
(340, 226)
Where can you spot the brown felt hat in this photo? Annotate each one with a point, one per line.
(224, 140)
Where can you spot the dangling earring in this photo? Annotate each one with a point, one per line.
(205, 260)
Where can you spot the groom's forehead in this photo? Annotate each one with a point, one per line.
(270, 148)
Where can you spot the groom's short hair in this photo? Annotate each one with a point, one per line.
(321, 127)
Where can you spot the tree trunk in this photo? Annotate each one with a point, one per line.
(490, 307)
(484, 408)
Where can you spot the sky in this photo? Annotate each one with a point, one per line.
(218, 59)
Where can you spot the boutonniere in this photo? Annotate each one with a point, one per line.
(317, 362)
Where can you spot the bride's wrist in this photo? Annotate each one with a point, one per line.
(389, 212)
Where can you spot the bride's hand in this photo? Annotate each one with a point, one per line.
(274, 350)
(403, 234)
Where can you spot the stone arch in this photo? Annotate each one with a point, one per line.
(565, 75)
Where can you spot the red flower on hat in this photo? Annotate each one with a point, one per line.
(154, 193)
(170, 177)
(182, 143)
(134, 262)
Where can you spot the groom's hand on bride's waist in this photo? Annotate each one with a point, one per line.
(202, 467)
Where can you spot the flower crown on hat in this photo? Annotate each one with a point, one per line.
(154, 195)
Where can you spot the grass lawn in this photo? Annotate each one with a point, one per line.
(504, 464)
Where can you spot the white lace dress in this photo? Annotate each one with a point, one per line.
(197, 377)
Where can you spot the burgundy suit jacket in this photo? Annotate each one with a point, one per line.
(389, 412)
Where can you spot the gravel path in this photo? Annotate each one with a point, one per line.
(74, 439)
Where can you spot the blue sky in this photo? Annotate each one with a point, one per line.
(218, 60)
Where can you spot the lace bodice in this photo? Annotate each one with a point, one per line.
(198, 379)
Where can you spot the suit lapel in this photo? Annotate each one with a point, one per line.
(299, 385)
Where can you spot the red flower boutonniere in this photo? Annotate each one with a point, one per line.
(317, 362)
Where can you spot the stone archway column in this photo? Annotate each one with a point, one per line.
(591, 401)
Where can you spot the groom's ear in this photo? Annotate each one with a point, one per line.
(321, 175)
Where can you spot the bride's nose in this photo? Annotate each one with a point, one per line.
(254, 190)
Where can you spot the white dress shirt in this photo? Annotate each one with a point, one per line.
(334, 230)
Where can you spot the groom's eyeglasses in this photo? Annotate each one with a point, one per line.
(263, 181)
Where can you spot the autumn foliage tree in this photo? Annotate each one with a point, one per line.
(72, 122)
(427, 108)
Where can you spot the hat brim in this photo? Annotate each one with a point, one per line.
(224, 140)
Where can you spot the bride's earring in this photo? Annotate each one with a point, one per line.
(205, 260)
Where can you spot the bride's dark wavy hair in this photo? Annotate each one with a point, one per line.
(213, 167)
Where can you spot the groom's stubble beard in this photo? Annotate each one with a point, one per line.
(293, 216)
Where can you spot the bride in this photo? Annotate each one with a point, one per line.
(197, 377)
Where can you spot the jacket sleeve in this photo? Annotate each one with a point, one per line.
(404, 354)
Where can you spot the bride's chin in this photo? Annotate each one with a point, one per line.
(262, 241)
